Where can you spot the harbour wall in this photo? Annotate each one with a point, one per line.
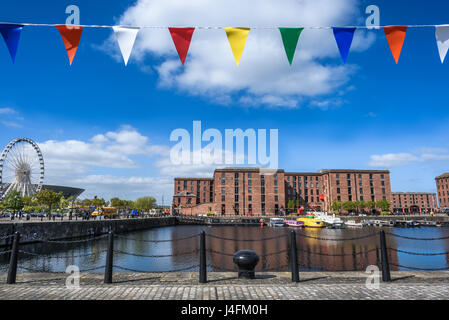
(58, 230)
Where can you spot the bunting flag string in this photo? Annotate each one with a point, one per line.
(11, 35)
(395, 37)
(71, 36)
(343, 37)
(182, 38)
(290, 37)
(126, 37)
(442, 35)
(237, 37)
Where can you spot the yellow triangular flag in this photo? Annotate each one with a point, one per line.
(237, 39)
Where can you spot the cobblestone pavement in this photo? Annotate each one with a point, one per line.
(225, 286)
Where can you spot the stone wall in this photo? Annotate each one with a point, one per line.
(55, 230)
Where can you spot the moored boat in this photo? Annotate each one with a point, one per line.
(311, 222)
(276, 222)
(294, 223)
(331, 221)
(353, 224)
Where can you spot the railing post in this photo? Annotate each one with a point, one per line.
(109, 259)
(294, 257)
(384, 258)
(203, 271)
(12, 271)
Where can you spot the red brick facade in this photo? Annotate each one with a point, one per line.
(443, 190)
(248, 191)
(414, 202)
(200, 188)
(355, 185)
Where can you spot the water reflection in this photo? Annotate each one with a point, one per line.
(313, 254)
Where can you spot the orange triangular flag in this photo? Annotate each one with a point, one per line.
(71, 36)
(395, 37)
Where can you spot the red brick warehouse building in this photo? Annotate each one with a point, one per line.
(414, 202)
(443, 190)
(250, 191)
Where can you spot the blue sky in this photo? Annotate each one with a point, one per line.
(372, 107)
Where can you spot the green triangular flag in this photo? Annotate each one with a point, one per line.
(290, 37)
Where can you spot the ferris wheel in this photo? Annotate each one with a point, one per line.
(21, 168)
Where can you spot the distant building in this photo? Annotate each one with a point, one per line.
(414, 202)
(66, 191)
(249, 191)
(443, 190)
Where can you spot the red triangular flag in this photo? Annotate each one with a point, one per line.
(71, 36)
(182, 38)
(395, 37)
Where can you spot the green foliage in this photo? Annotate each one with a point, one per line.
(383, 205)
(371, 204)
(13, 201)
(337, 205)
(48, 198)
(349, 206)
(145, 203)
(291, 204)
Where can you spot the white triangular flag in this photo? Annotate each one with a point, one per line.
(442, 34)
(125, 38)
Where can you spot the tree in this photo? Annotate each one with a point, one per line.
(116, 203)
(145, 203)
(14, 201)
(98, 202)
(348, 206)
(337, 206)
(291, 205)
(86, 202)
(383, 205)
(48, 198)
(371, 205)
(362, 205)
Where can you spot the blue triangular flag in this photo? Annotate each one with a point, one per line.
(11, 34)
(344, 37)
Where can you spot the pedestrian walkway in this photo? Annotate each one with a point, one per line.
(225, 286)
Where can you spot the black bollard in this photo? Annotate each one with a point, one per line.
(384, 258)
(246, 260)
(203, 271)
(12, 271)
(109, 259)
(294, 257)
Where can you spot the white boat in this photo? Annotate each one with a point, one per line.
(353, 224)
(276, 222)
(330, 221)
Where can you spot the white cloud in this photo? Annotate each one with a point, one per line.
(264, 76)
(9, 111)
(84, 163)
(108, 186)
(401, 159)
(12, 124)
(10, 118)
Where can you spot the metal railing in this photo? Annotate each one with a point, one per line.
(292, 251)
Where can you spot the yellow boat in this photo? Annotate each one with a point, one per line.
(311, 222)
